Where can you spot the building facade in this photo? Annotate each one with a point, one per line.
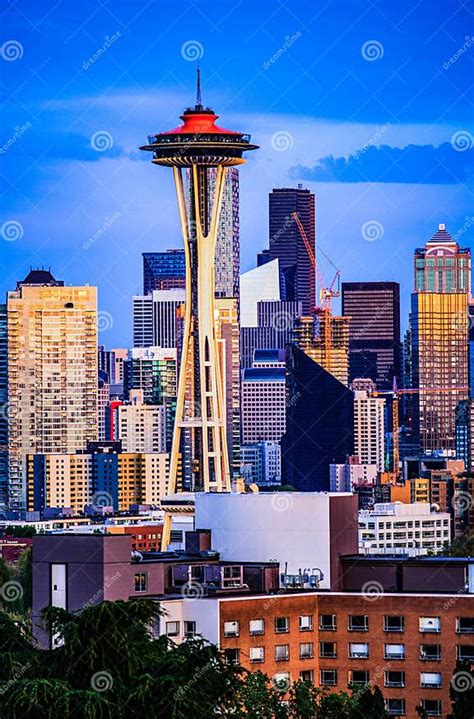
(263, 404)
(412, 529)
(288, 246)
(140, 427)
(325, 338)
(369, 429)
(52, 372)
(155, 318)
(319, 423)
(374, 330)
(439, 325)
(163, 270)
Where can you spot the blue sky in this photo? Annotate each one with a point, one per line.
(367, 102)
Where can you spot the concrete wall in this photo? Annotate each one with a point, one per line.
(292, 528)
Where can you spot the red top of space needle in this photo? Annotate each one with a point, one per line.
(198, 140)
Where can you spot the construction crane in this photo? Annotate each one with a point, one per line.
(395, 393)
(325, 293)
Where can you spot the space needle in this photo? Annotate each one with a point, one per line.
(205, 151)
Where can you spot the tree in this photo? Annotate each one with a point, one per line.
(108, 663)
(461, 691)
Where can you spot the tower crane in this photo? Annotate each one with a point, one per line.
(325, 293)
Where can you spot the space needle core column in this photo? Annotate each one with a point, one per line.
(199, 145)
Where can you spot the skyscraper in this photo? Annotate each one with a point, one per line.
(374, 330)
(288, 246)
(369, 429)
(163, 270)
(52, 372)
(155, 319)
(319, 423)
(439, 326)
(325, 338)
(227, 257)
(3, 407)
(208, 150)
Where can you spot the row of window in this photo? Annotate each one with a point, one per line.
(356, 623)
(328, 650)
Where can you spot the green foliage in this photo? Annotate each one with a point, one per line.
(109, 664)
(461, 691)
(460, 547)
(20, 531)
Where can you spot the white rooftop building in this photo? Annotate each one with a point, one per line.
(305, 532)
(261, 283)
(397, 528)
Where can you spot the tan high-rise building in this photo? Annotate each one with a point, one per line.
(439, 326)
(228, 335)
(52, 372)
(326, 341)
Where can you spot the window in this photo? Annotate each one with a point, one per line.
(432, 707)
(465, 651)
(430, 624)
(328, 677)
(172, 629)
(465, 625)
(232, 656)
(358, 651)
(327, 622)
(359, 677)
(394, 651)
(393, 624)
(327, 649)
(282, 652)
(306, 650)
(231, 629)
(257, 654)
(141, 582)
(306, 623)
(257, 626)
(430, 680)
(282, 625)
(394, 679)
(430, 652)
(189, 629)
(358, 623)
(307, 675)
(395, 707)
(232, 576)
